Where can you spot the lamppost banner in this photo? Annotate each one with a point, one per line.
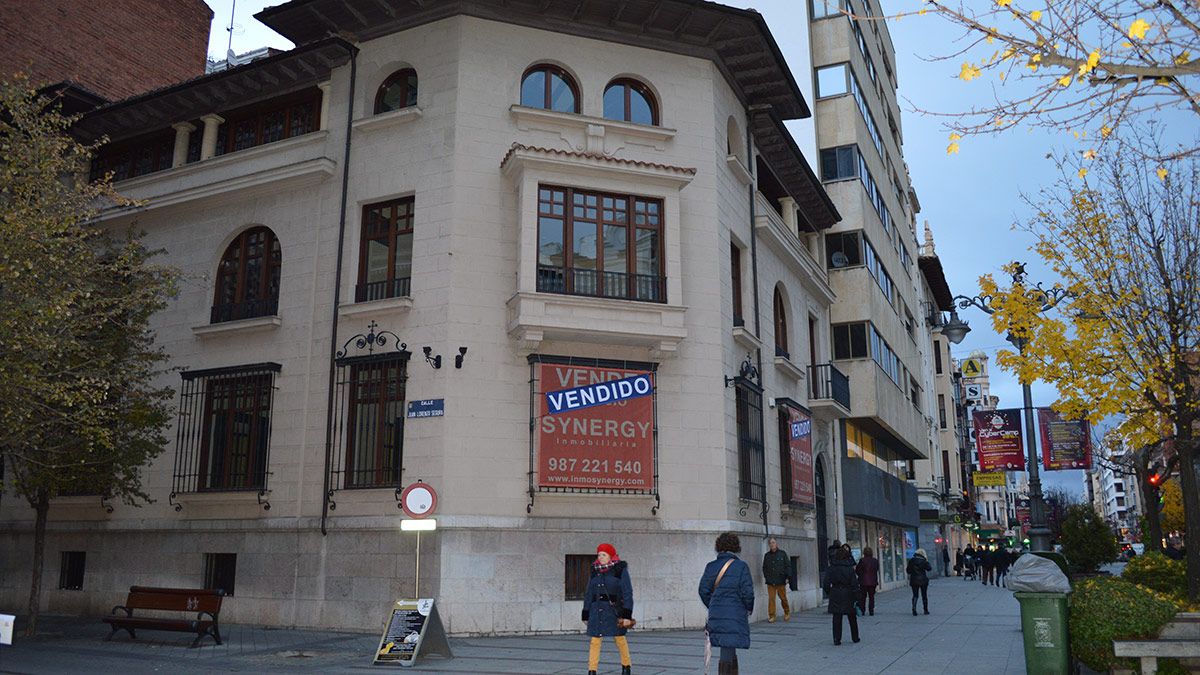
(589, 444)
(998, 439)
(800, 457)
(1066, 444)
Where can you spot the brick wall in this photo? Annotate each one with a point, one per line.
(115, 48)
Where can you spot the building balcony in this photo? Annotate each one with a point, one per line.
(879, 405)
(870, 492)
(782, 235)
(540, 316)
(829, 391)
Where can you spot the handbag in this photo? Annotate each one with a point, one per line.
(621, 623)
(707, 641)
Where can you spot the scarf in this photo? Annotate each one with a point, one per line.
(600, 568)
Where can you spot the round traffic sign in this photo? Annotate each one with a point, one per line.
(418, 500)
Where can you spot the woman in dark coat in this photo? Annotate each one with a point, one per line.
(608, 605)
(729, 597)
(918, 577)
(867, 571)
(842, 586)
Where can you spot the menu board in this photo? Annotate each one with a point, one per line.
(412, 626)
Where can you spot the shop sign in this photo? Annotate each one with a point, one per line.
(972, 368)
(988, 479)
(594, 427)
(1066, 444)
(800, 457)
(998, 439)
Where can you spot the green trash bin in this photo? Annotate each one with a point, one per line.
(1044, 626)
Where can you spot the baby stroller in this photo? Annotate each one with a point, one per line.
(969, 569)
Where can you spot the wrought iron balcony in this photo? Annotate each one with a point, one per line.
(244, 310)
(829, 384)
(598, 284)
(379, 290)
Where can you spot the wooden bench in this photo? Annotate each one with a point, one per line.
(204, 602)
(1150, 651)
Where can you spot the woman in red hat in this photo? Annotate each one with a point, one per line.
(608, 606)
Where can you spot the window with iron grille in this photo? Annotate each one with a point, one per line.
(600, 244)
(385, 255)
(70, 572)
(369, 429)
(248, 277)
(224, 428)
(220, 571)
(578, 569)
(751, 460)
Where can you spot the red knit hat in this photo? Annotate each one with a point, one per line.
(609, 549)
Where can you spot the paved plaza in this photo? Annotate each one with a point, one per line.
(971, 628)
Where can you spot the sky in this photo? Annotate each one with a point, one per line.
(971, 200)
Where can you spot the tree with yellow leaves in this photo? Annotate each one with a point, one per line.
(1085, 66)
(1126, 244)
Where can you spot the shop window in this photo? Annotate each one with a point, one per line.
(248, 277)
(628, 100)
(220, 571)
(398, 91)
(550, 88)
(600, 244)
(578, 569)
(70, 571)
(385, 251)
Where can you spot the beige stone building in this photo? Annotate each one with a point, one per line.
(418, 250)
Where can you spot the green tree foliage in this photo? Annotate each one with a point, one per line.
(79, 411)
(1104, 609)
(1087, 540)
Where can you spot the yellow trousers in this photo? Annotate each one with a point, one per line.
(594, 652)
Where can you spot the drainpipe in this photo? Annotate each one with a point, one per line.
(753, 168)
(337, 289)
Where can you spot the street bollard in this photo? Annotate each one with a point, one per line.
(1044, 628)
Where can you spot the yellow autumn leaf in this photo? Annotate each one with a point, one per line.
(1105, 131)
(952, 149)
(1036, 15)
(1065, 80)
(954, 136)
(1089, 154)
(1003, 3)
(1183, 58)
(1161, 173)
(968, 72)
(1138, 29)
(922, 11)
(1093, 59)
(1127, 45)
(990, 38)
(1083, 172)
(1008, 53)
(1002, 74)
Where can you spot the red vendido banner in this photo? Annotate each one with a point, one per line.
(609, 446)
(800, 457)
(1066, 444)
(998, 439)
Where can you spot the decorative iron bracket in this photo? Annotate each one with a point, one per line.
(657, 504)
(329, 499)
(747, 372)
(266, 504)
(372, 339)
(171, 500)
(104, 503)
(529, 506)
(399, 491)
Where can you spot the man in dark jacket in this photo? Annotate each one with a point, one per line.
(841, 583)
(777, 571)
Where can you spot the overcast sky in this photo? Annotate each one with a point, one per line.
(971, 200)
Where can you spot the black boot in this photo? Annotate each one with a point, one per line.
(625, 670)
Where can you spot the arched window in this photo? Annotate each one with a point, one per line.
(781, 331)
(398, 91)
(734, 143)
(248, 277)
(628, 100)
(550, 88)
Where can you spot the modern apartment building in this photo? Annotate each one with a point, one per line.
(878, 334)
(422, 249)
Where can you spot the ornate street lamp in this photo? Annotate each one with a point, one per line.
(956, 329)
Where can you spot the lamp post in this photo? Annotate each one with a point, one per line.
(956, 329)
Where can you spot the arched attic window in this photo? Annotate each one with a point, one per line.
(398, 91)
(627, 100)
(248, 277)
(550, 88)
(781, 329)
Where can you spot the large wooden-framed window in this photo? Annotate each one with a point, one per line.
(627, 100)
(735, 278)
(248, 277)
(375, 422)
(600, 244)
(398, 91)
(135, 157)
(237, 431)
(550, 88)
(781, 327)
(385, 255)
(270, 121)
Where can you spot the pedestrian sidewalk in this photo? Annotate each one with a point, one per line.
(971, 628)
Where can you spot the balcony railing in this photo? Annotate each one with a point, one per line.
(245, 310)
(598, 284)
(379, 290)
(829, 383)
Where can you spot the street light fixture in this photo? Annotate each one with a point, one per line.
(956, 330)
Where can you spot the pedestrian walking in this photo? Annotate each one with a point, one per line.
(841, 584)
(608, 606)
(727, 590)
(988, 564)
(867, 571)
(969, 563)
(777, 571)
(918, 577)
(1004, 559)
(958, 561)
(946, 560)
(831, 554)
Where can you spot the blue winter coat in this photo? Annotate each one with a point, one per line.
(609, 596)
(730, 605)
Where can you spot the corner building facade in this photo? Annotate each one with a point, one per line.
(395, 243)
